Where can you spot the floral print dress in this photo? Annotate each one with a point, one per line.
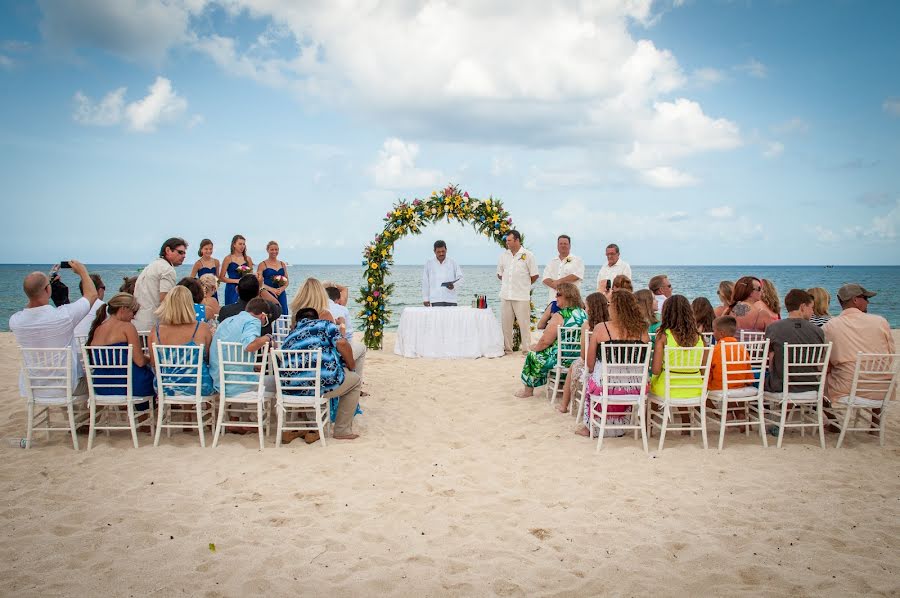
(539, 363)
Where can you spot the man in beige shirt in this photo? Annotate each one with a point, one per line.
(852, 332)
(517, 271)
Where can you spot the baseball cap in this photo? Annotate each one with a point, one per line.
(849, 291)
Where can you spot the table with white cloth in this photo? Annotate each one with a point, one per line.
(448, 332)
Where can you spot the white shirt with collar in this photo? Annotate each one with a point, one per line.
(434, 274)
(609, 273)
(515, 273)
(560, 268)
(340, 311)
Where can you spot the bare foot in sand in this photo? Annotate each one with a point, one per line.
(525, 393)
(563, 408)
(582, 431)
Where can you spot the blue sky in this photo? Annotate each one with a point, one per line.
(688, 132)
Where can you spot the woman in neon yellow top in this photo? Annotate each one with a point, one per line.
(677, 329)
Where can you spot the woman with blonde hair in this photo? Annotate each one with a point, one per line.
(726, 288)
(769, 299)
(312, 294)
(210, 284)
(178, 325)
(820, 306)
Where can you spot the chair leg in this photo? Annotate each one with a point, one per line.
(640, 417)
(160, 411)
(662, 429)
(200, 427)
(259, 423)
(132, 423)
(881, 427)
(92, 413)
(221, 414)
(70, 408)
(604, 408)
(840, 440)
(784, 408)
(821, 418)
(723, 418)
(703, 422)
(29, 431)
(279, 426)
(762, 422)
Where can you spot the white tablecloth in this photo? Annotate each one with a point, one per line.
(448, 332)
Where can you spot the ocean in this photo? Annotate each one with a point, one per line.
(691, 281)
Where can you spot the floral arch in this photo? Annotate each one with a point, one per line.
(486, 216)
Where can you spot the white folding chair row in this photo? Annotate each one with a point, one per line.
(568, 349)
(751, 336)
(687, 372)
(144, 337)
(743, 379)
(875, 378)
(109, 379)
(624, 369)
(242, 392)
(281, 327)
(47, 377)
(298, 392)
(179, 372)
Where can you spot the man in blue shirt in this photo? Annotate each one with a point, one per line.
(243, 328)
(338, 380)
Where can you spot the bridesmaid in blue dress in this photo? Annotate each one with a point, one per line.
(229, 269)
(207, 264)
(268, 269)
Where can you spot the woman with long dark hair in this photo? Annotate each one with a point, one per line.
(229, 272)
(747, 292)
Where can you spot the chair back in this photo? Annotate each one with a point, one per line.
(298, 373)
(751, 335)
(708, 338)
(875, 377)
(108, 370)
(47, 374)
(804, 367)
(568, 345)
(179, 371)
(625, 367)
(687, 370)
(241, 372)
(281, 327)
(144, 337)
(744, 363)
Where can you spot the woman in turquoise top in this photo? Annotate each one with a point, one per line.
(542, 358)
(178, 326)
(677, 329)
(267, 271)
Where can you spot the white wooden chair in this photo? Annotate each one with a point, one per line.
(144, 337)
(749, 336)
(281, 328)
(875, 379)
(47, 379)
(687, 369)
(179, 373)
(577, 402)
(708, 338)
(108, 373)
(568, 349)
(624, 369)
(299, 371)
(742, 364)
(805, 366)
(242, 390)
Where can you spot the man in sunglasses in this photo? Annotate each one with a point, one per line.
(156, 280)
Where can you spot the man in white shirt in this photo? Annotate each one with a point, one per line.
(612, 268)
(661, 288)
(84, 326)
(440, 278)
(337, 305)
(517, 271)
(156, 280)
(564, 268)
(42, 326)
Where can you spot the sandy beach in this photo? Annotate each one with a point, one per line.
(454, 488)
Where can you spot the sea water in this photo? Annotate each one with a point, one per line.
(691, 281)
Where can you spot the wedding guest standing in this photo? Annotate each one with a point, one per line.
(440, 278)
(612, 268)
(156, 280)
(563, 268)
(207, 264)
(234, 266)
(274, 277)
(517, 271)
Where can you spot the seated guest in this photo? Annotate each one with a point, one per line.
(820, 306)
(128, 283)
(796, 329)
(853, 331)
(597, 311)
(210, 284)
(197, 294)
(768, 300)
(542, 356)
(622, 282)
(744, 305)
(112, 327)
(726, 288)
(84, 326)
(337, 305)
(647, 304)
(626, 324)
(661, 288)
(677, 329)
(244, 328)
(338, 380)
(42, 326)
(703, 314)
(178, 325)
(247, 289)
(724, 328)
(312, 294)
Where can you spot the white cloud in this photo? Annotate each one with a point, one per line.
(396, 167)
(824, 235)
(161, 105)
(667, 177)
(886, 227)
(891, 106)
(773, 149)
(794, 125)
(707, 76)
(501, 165)
(721, 213)
(675, 216)
(6, 62)
(754, 68)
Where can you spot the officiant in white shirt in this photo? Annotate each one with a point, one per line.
(440, 279)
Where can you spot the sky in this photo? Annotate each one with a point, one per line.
(687, 131)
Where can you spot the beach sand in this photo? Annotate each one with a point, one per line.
(454, 488)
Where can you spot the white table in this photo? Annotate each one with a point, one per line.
(448, 332)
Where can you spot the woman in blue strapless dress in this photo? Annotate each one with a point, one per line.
(267, 271)
(207, 264)
(229, 269)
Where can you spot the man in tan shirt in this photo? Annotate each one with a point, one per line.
(852, 332)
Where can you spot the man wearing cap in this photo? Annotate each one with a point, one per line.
(853, 331)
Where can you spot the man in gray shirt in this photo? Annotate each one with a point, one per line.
(796, 329)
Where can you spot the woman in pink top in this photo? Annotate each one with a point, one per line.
(747, 293)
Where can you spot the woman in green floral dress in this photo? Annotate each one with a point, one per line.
(542, 358)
